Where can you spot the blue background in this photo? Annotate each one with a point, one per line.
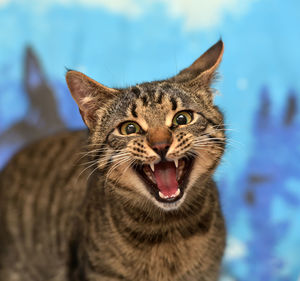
(122, 42)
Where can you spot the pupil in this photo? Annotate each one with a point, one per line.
(130, 129)
(181, 119)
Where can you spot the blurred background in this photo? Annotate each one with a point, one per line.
(123, 42)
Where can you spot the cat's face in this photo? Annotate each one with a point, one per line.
(157, 141)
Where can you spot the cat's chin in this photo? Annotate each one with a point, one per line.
(166, 181)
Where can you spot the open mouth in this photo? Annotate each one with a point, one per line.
(166, 180)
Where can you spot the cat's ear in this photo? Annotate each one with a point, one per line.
(202, 71)
(89, 95)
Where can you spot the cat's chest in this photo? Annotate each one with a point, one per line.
(166, 261)
(172, 260)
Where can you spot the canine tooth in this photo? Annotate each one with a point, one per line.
(177, 192)
(152, 167)
(161, 195)
(176, 162)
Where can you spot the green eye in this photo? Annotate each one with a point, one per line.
(182, 118)
(129, 128)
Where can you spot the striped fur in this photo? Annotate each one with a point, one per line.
(74, 208)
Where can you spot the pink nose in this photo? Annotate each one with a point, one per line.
(161, 147)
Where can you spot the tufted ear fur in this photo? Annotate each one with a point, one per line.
(88, 94)
(202, 71)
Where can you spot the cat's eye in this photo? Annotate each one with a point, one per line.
(182, 118)
(129, 128)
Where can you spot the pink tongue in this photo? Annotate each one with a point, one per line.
(165, 175)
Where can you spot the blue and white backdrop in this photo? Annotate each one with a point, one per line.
(121, 42)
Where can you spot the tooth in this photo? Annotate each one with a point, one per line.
(161, 195)
(152, 167)
(177, 192)
(167, 197)
(176, 162)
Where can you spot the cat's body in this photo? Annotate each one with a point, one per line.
(117, 220)
(43, 204)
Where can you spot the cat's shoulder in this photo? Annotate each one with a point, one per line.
(49, 148)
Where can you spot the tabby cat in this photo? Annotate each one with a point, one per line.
(133, 199)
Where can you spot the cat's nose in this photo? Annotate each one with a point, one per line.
(160, 140)
(161, 150)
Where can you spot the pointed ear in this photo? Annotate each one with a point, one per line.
(202, 71)
(88, 94)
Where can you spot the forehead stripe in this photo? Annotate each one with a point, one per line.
(174, 103)
(133, 111)
(159, 99)
(136, 91)
(145, 100)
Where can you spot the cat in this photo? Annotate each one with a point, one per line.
(138, 203)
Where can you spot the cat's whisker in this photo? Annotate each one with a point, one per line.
(89, 145)
(116, 165)
(208, 143)
(120, 157)
(124, 160)
(92, 173)
(202, 158)
(86, 153)
(203, 148)
(208, 149)
(108, 161)
(104, 160)
(89, 153)
(223, 127)
(121, 161)
(100, 163)
(129, 164)
(94, 163)
(192, 153)
(211, 138)
(211, 142)
(235, 142)
(87, 163)
(94, 151)
(228, 140)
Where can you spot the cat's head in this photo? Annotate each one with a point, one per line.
(160, 140)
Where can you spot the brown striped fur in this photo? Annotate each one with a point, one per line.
(74, 208)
